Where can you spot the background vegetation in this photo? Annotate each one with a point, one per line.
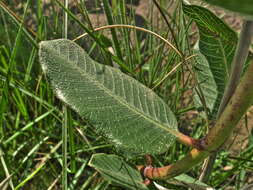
(32, 119)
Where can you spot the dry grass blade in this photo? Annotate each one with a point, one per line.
(135, 28)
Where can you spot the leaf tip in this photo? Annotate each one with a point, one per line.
(42, 46)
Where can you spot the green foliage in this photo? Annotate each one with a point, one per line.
(242, 6)
(115, 169)
(31, 117)
(217, 43)
(119, 107)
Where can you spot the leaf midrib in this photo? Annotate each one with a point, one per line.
(117, 98)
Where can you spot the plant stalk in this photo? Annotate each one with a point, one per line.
(188, 141)
(65, 118)
(239, 59)
(236, 108)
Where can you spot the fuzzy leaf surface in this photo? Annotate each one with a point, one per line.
(114, 169)
(118, 106)
(242, 6)
(217, 43)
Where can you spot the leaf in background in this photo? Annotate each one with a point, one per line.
(217, 43)
(241, 6)
(120, 107)
(114, 169)
(207, 84)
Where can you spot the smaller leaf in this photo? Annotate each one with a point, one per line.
(208, 85)
(114, 169)
(191, 182)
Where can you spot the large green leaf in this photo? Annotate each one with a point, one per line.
(118, 106)
(217, 43)
(114, 169)
(241, 6)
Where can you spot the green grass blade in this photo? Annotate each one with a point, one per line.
(65, 149)
(11, 65)
(65, 123)
(30, 65)
(17, 22)
(109, 16)
(27, 127)
(39, 167)
(6, 170)
(72, 146)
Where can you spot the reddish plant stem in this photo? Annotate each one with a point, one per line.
(236, 108)
(193, 158)
(189, 141)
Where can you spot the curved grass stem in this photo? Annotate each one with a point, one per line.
(172, 71)
(136, 28)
